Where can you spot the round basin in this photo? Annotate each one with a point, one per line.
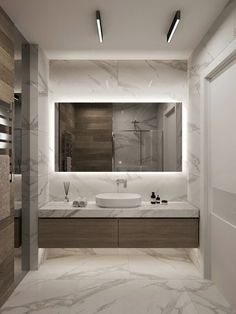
(118, 200)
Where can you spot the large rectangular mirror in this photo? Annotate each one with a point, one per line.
(118, 137)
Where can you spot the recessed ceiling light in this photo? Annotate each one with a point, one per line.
(99, 26)
(173, 26)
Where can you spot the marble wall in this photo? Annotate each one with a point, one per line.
(29, 156)
(118, 81)
(43, 129)
(35, 148)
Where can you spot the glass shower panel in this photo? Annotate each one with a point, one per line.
(126, 151)
(139, 150)
(151, 150)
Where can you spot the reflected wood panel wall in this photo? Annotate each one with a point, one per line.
(90, 126)
(6, 219)
(93, 137)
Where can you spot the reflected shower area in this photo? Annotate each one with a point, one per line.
(119, 137)
(137, 150)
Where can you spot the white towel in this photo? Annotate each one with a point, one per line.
(80, 202)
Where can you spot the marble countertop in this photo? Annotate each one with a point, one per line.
(146, 210)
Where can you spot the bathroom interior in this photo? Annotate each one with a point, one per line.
(117, 156)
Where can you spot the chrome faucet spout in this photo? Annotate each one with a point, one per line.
(121, 181)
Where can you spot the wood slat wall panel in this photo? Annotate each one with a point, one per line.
(95, 153)
(91, 128)
(7, 44)
(6, 92)
(6, 59)
(6, 256)
(6, 25)
(6, 75)
(7, 96)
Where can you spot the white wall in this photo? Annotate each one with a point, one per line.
(118, 81)
(222, 113)
(219, 37)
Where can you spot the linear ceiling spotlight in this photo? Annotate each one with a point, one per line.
(99, 26)
(173, 26)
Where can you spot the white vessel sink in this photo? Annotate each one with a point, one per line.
(118, 200)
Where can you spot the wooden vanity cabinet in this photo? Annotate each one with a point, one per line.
(118, 232)
(78, 233)
(158, 233)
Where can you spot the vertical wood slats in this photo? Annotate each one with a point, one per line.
(6, 58)
(6, 100)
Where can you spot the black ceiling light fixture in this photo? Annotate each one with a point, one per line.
(173, 26)
(99, 26)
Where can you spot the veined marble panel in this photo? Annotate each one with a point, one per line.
(145, 113)
(91, 281)
(194, 189)
(172, 210)
(30, 157)
(170, 186)
(118, 81)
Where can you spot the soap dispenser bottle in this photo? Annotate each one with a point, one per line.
(153, 198)
(158, 199)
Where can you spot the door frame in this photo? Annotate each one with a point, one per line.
(221, 62)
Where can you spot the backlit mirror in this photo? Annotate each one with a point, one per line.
(118, 137)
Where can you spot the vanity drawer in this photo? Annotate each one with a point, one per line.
(78, 233)
(159, 233)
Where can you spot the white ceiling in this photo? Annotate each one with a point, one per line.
(133, 29)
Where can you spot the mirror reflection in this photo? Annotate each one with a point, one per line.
(118, 137)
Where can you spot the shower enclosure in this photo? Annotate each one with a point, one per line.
(137, 150)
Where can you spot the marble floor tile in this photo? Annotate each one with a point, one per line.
(160, 265)
(130, 296)
(83, 267)
(46, 297)
(55, 268)
(100, 267)
(206, 297)
(124, 281)
(61, 252)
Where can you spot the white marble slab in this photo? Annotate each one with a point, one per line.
(115, 281)
(172, 210)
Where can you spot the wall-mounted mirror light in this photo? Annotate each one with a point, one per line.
(118, 137)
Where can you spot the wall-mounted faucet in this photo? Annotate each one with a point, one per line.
(121, 181)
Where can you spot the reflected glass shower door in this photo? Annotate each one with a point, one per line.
(137, 150)
(126, 151)
(151, 150)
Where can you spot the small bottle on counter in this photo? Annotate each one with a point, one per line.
(158, 199)
(164, 202)
(153, 198)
